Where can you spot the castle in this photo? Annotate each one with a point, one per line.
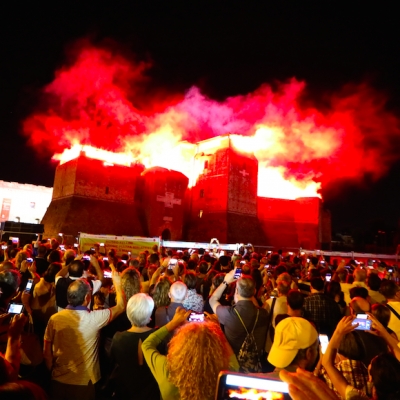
(94, 197)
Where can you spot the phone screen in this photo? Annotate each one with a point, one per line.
(238, 273)
(195, 317)
(328, 277)
(14, 308)
(323, 339)
(107, 274)
(241, 386)
(29, 285)
(364, 324)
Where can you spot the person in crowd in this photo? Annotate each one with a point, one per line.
(177, 294)
(71, 342)
(41, 261)
(75, 270)
(9, 284)
(372, 345)
(10, 386)
(360, 278)
(384, 369)
(276, 306)
(334, 290)
(295, 346)
(321, 309)
(382, 313)
(391, 291)
(224, 299)
(349, 361)
(188, 371)
(295, 302)
(374, 284)
(193, 300)
(41, 302)
(133, 378)
(160, 296)
(245, 312)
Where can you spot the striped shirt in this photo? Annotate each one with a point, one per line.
(74, 334)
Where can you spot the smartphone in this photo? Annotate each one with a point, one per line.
(172, 263)
(238, 273)
(93, 249)
(62, 247)
(195, 317)
(308, 260)
(14, 239)
(322, 262)
(243, 386)
(124, 261)
(107, 274)
(105, 258)
(28, 286)
(30, 260)
(101, 244)
(242, 262)
(4, 247)
(364, 324)
(86, 258)
(323, 340)
(266, 266)
(75, 244)
(290, 253)
(328, 277)
(390, 270)
(129, 253)
(15, 308)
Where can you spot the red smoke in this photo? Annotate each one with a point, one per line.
(99, 99)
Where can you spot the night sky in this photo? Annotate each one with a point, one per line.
(226, 49)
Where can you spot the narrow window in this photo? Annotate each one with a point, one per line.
(107, 190)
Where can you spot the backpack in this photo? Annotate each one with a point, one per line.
(248, 357)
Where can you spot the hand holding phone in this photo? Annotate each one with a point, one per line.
(196, 317)
(15, 308)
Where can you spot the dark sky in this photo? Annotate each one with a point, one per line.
(226, 48)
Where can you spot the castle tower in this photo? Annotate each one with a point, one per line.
(223, 202)
(94, 197)
(162, 197)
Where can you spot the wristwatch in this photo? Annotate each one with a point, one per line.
(225, 283)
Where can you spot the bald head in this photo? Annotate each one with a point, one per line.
(359, 306)
(360, 274)
(177, 292)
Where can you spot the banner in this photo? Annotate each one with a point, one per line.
(5, 210)
(121, 244)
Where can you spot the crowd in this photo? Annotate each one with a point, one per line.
(164, 324)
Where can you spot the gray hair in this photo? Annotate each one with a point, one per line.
(77, 292)
(178, 291)
(139, 309)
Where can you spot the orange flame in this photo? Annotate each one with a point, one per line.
(255, 394)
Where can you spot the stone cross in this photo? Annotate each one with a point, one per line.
(244, 173)
(169, 200)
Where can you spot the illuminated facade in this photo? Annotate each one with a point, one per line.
(94, 197)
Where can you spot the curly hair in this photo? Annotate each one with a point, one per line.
(196, 355)
(161, 290)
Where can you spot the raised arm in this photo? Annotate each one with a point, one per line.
(214, 299)
(119, 308)
(328, 360)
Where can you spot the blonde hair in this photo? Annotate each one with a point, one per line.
(197, 353)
